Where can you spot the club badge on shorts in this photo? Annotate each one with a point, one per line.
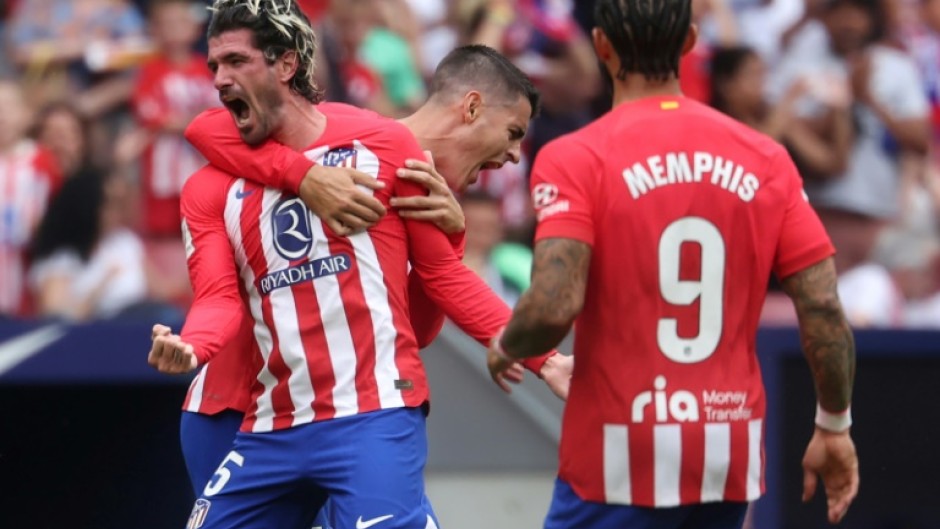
(198, 516)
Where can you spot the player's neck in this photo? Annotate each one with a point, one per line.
(301, 123)
(636, 87)
(429, 126)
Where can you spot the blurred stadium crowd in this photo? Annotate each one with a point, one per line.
(95, 94)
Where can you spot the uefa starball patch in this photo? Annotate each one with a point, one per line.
(198, 516)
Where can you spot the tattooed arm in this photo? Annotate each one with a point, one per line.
(830, 350)
(546, 311)
(825, 334)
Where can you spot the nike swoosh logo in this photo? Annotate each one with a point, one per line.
(242, 194)
(21, 348)
(365, 524)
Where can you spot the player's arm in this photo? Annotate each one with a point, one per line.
(330, 192)
(218, 309)
(546, 311)
(804, 263)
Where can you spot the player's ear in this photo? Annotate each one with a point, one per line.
(472, 106)
(690, 39)
(602, 46)
(287, 65)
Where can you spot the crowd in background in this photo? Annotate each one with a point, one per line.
(95, 94)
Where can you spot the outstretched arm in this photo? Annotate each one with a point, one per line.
(330, 192)
(830, 350)
(546, 311)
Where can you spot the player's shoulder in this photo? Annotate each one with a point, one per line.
(332, 108)
(732, 132)
(207, 180)
(373, 130)
(579, 146)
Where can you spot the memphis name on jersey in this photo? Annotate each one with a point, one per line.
(679, 167)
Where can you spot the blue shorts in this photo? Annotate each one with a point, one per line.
(568, 511)
(206, 440)
(370, 466)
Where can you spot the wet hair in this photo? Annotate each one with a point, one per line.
(480, 67)
(725, 64)
(73, 219)
(648, 35)
(277, 27)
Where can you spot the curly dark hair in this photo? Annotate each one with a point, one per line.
(277, 27)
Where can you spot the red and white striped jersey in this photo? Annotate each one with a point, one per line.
(28, 177)
(687, 214)
(166, 92)
(216, 387)
(330, 314)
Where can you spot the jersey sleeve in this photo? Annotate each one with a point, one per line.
(560, 194)
(218, 310)
(457, 290)
(803, 241)
(213, 133)
(427, 319)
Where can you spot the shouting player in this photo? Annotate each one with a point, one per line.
(338, 386)
(659, 226)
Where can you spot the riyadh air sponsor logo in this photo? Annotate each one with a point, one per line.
(198, 516)
(305, 272)
(21, 348)
(293, 236)
(366, 524)
(665, 404)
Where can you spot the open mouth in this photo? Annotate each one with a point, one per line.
(491, 166)
(239, 109)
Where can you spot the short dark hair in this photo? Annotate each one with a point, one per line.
(648, 35)
(479, 66)
(277, 27)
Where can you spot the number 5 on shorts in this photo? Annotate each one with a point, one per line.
(223, 474)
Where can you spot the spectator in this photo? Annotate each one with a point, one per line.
(170, 90)
(63, 131)
(86, 263)
(889, 115)
(28, 177)
(738, 80)
(694, 72)
(365, 42)
(484, 234)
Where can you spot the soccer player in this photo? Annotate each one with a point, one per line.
(658, 228)
(465, 134)
(331, 338)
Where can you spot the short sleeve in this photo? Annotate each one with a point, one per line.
(803, 241)
(561, 196)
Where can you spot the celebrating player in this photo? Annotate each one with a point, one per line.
(466, 134)
(331, 335)
(659, 226)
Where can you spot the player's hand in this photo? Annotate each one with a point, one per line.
(440, 206)
(503, 370)
(332, 194)
(831, 456)
(169, 353)
(556, 372)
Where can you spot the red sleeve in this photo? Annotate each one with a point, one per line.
(213, 133)
(457, 290)
(561, 199)
(427, 319)
(803, 241)
(218, 309)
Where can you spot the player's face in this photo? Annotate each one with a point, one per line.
(247, 85)
(849, 27)
(494, 138)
